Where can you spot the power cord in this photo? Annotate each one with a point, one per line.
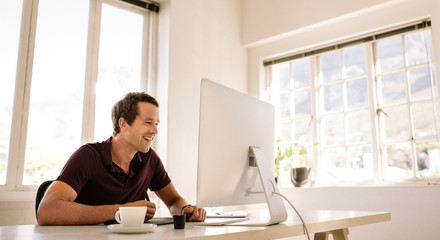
(306, 231)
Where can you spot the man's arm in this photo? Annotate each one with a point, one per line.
(58, 208)
(175, 202)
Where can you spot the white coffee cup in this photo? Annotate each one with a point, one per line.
(131, 216)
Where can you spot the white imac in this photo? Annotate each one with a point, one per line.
(236, 150)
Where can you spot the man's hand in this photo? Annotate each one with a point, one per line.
(175, 203)
(151, 207)
(196, 214)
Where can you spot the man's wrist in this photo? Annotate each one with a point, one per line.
(183, 208)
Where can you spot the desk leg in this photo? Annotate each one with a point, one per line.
(321, 236)
(340, 234)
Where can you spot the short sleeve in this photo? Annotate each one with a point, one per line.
(79, 168)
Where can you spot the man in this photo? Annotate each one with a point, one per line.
(100, 177)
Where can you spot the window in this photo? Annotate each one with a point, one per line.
(57, 94)
(371, 126)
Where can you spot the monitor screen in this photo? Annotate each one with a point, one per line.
(231, 122)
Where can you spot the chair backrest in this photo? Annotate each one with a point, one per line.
(40, 193)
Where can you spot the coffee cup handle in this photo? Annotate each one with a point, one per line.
(118, 217)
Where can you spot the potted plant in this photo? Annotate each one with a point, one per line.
(279, 158)
(298, 158)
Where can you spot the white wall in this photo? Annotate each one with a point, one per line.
(204, 43)
(261, 18)
(270, 30)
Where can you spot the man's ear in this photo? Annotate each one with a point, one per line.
(122, 123)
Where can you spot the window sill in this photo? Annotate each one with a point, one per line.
(405, 183)
(16, 196)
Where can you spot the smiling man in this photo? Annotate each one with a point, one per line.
(101, 177)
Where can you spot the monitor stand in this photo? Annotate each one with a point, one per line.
(277, 211)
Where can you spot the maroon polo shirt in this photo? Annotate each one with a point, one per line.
(98, 181)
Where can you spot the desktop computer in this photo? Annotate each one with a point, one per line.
(236, 151)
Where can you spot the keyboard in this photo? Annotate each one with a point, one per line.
(161, 220)
(220, 221)
(236, 214)
(155, 220)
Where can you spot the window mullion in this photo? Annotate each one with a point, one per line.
(344, 108)
(373, 103)
(91, 71)
(410, 112)
(315, 113)
(149, 53)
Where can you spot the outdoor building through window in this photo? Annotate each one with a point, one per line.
(372, 104)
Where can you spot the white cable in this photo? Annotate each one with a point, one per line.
(297, 213)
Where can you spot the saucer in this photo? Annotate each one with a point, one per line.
(118, 228)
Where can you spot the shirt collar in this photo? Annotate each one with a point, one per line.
(107, 158)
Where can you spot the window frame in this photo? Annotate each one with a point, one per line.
(14, 188)
(371, 75)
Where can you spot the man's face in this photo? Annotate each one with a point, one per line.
(143, 129)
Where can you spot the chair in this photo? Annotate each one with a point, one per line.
(40, 193)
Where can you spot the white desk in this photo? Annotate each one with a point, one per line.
(319, 223)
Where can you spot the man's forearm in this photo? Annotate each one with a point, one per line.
(176, 207)
(61, 212)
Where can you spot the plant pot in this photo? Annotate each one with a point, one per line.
(299, 175)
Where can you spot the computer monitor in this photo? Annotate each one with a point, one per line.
(236, 150)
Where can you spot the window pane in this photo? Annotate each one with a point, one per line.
(357, 165)
(10, 21)
(357, 93)
(434, 83)
(354, 60)
(120, 59)
(284, 75)
(56, 100)
(415, 48)
(333, 98)
(390, 53)
(330, 66)
(301, 72)
(399, 161)
(286, 131)
(360, 159)
(396, 123)
(285, 105)
(275, 84)
(334, 132)
(334, 158)
(303, 105)
(359, 127)
(424, 121)
(303, 131)
(428, 39)
(428, 159)
(393, 88)
(332, 164)
(420, 83)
